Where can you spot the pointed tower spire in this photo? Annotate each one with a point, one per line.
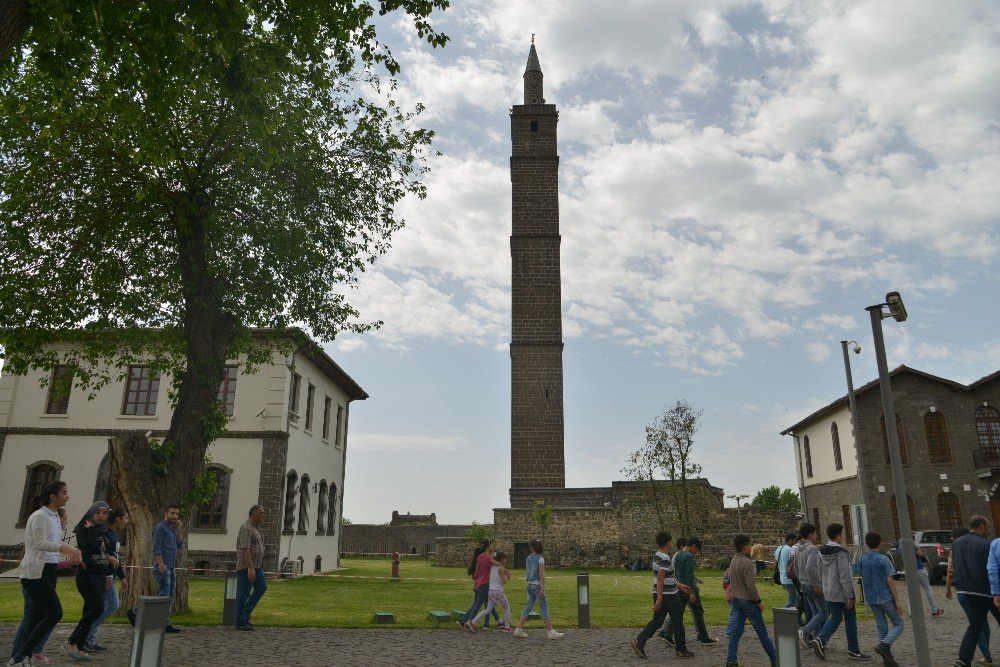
(533, 77)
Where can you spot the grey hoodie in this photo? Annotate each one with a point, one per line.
(838, 585)
(806, 564)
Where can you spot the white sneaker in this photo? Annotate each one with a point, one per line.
(552, 634)
(519, 632)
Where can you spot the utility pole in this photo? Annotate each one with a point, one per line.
(739, 509)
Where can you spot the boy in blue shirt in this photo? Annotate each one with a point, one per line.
(878, 579)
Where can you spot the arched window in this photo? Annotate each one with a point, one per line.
(949, 511)
(895, 514)
(838, 461)
(988, 428)
(291, 488)
(103, 480)
(212, 514)
(304, 504)
(808, 456)
(39, 474)
(904, 459)
(321, 508)
(331, 518)
(938, 445)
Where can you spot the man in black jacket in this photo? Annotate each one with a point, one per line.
(969, 555)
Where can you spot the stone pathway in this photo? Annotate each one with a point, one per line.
(454, 648)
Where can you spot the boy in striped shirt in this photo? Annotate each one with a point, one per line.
(665, 601)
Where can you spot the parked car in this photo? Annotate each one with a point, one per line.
(937, 546)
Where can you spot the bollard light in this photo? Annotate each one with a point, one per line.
(150, 627)
(583, 600)
(229, 603)
(786, 636)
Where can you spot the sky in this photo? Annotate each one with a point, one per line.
(738, 181)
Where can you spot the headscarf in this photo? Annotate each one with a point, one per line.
(100, 504)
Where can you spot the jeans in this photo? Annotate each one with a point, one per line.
(732, 619)
(881, 611)
(167, 586)
(817, 603)
(925, 582)
(92, 591)
(977, 610)
(533, 596)
(670, 606)
(984, 638)
(247, 599)
(839, 611)
(746, 610)
(46, 611)
(111, 604)
(22, 629)
(482, 593)
(697, 610)
(793, 596)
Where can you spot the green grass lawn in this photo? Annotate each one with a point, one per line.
(618, 598)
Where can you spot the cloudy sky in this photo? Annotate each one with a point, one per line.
(739, 180)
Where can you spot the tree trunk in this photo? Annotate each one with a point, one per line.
(14, 20)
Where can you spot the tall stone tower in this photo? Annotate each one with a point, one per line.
(536, 420)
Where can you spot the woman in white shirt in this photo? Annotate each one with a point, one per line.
(42, 546)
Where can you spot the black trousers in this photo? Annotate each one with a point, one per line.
(697, 610)
(979, 608)
(46, 610)
(92, 591)
(671, 606)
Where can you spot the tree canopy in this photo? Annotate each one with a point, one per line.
(774, 499)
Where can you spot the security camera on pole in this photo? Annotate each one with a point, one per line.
(897, 311)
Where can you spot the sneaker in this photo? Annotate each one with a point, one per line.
(805, 638)
(709, 640)
(171, 630)
(74, 654)
(937, 613)
(985, 661)
(520, 632)
(819, 649)
(95, 647)
(40, 659)
(552, 634)
(470, 626)
(667, 638)
(858, 655)
(19, 663)
(961, 663)
(637, 648)
(506, 628)
(685, 654)
(460, 625)
(131, 617)
(884, 651)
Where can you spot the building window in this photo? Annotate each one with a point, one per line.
(60, 383)
(809, 461)
(212, 514)
(304, 504)
(331, 517)
(103, 479)
(819, 528)
(949, 511)
(310, 400)
(938, 445)
(845, 511)
(838, 461)
(988, 427)
(904, 459)
(340, 424)
(293, 398)
(909, 510)
(39, 474)
(291, 489)
(141, 390)
(227, 390)
(327, 404)
(321, 508)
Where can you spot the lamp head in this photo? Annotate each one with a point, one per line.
(896, 308)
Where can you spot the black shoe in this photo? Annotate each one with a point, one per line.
(131, 617)
(245, 628)
(708, 640)
(858, 655)
(97, 647)
(819, 649)
(685, 654)
(172, 630)
(637, 648)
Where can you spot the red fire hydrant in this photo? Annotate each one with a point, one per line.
(395, 565)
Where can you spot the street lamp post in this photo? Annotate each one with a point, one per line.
(856, 432)
(739, 510)
(898, 312)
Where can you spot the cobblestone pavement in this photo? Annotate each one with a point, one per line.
(452, 647)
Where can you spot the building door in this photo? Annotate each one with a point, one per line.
(995, 510)
(521, 552)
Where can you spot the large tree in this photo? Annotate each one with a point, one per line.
(201, 169)
(774, 499)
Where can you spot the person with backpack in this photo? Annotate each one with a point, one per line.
(781, 557)
(806, 567)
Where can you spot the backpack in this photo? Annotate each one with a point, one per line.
(776, 577)
(790, 568)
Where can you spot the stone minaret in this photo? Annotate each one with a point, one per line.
(536, 412)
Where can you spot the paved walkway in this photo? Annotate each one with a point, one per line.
(451, 647)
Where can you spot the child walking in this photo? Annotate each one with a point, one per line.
(499, 575)
(535, 567)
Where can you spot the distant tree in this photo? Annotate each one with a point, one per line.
(667, 453)
(542, 516)
(479, 532)
(345, 521)
(774, 499)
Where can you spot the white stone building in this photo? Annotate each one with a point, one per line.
(284, 448)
